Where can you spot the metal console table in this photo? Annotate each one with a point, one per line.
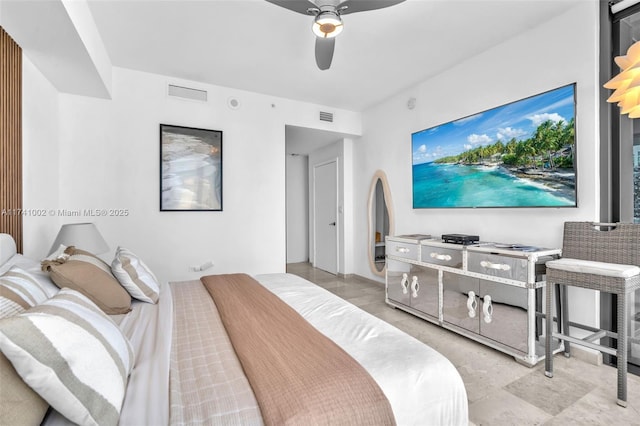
(489, 292)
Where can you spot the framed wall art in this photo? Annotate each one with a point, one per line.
(521, 154)
(190, 169)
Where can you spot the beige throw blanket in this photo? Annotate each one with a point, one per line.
(298, 375)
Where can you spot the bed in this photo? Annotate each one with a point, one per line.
(185, 369)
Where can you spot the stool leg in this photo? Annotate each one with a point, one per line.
(539, 325)
(559, 307)
(564, 290)
(548, 350)
(621, 351)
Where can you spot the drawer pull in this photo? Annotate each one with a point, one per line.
(437, 256)
(472, 304)
(402, 250)
(487, 309)
(500, 266)
(405, 283)
(415, 287)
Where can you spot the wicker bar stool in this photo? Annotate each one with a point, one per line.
(603, 257)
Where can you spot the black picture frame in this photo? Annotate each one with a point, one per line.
(190, 169)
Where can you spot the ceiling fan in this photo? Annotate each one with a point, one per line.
(327, 23)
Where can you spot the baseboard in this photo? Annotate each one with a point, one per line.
(587, 355)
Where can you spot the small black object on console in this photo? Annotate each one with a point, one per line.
(460, 239)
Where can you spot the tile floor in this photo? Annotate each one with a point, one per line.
(500, 390)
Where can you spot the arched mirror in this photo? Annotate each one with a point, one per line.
(381, 221)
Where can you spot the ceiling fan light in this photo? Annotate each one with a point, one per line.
(327, 24)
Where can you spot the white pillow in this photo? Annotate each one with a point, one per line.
(135, 276)
(19, 291)
(73, 355)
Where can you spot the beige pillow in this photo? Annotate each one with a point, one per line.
(91, 276)
(19, 404)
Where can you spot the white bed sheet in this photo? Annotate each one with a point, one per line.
(422, 385)
(149, 329)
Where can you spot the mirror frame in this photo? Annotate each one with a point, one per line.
(379, 175)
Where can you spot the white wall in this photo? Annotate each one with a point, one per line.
(559, 52)
(297, 208)
(540, 59)
(347, 212)
(39, 161)
(109, 159)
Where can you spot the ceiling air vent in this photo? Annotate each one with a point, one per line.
(187, 93)
(326, 116)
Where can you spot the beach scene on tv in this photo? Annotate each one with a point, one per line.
(516, 155)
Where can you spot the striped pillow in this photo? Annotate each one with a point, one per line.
(73, 355)
(19, 291)
(135, 276)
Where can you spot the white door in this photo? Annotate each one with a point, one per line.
(325, 206)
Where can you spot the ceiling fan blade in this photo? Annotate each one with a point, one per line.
(300, 6)
(324, 52)
(353, 6)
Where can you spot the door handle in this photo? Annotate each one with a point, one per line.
(472, 304)
(404, 283)
(332, 224)
(487, 309)
(415, 287)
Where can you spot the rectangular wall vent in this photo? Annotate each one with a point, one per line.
(187, 93)
(326, 116)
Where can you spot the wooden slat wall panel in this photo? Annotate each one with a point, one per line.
(11, 138)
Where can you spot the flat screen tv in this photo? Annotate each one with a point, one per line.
(521, 154)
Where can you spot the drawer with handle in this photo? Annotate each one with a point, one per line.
(402, 249)
(441, 255)
(512, 268)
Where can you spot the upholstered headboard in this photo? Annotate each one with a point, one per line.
(7, 247)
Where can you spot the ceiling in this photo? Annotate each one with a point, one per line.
(257, 46)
